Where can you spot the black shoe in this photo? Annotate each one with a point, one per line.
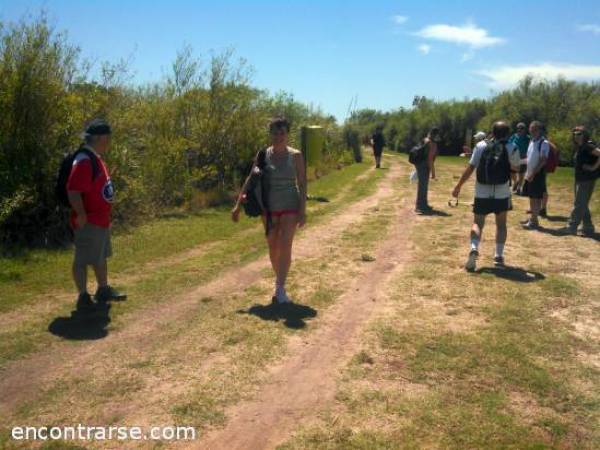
(499, 261)
(588, 231)
(107, 293)
(543, 213)
(85, 303)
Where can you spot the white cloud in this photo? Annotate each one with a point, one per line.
(507, 76)
(467, 56)
(399, 20)
(590, 27)
(424, 48)
(469, 34)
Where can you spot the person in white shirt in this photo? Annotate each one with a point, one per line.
(493, 159)
(535, 176)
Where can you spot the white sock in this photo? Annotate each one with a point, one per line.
(474, 244)
(499, 249)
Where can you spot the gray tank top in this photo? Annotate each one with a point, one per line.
(281, 177)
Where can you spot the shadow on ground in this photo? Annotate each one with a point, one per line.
(82, 325)
(560, 232)
(292, 314)
(511, 273)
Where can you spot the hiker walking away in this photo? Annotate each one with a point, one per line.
(493, 160)
(425, 168)
(90, 193)
(535, 175)
(285, 178)
(521, 140)
(378, 143)
(587, 171)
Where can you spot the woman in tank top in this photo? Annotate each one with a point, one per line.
(286, 181)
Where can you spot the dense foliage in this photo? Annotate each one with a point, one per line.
(559, 104)
(186, 141)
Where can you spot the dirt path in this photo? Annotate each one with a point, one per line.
(305, 381)
(26, 379)
(51, 301)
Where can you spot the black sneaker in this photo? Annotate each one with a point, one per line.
(107, 293)
(588, 231)
(85, 303)
(499, 260)
(471, 263)
(543, 213)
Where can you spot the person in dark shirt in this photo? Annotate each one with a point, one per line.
(378, 143)
(587, 171)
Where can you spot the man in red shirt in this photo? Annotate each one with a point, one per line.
(90, 193)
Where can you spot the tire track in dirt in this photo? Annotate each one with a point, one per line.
(23, 379)
(305, 381)
(51, 301)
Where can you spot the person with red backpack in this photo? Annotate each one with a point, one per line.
(493, 160)
(90, 194)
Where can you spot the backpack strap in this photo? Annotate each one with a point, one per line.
(93, 160)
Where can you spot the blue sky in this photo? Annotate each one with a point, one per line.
(327, 53)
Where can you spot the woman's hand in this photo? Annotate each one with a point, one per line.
(235, 213)
(588, 167)
(301, 219)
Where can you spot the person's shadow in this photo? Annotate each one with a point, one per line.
(560, 232)
(557, 218)
(292, 314)
(511, 273)
(82, 325)
(436, 212)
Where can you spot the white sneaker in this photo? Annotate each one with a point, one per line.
(282, 296)
(472, 261)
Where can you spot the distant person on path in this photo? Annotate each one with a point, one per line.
(587, 171)
(535, 176)
(425, 168)
(521, 140)
(378, 141)
(90, 193)
(493, 161)
(286, 180)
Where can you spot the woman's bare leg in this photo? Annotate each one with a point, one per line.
(288, 224)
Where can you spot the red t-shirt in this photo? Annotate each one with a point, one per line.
(97, 195)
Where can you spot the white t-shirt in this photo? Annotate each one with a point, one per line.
(498, 191)
(533, 153)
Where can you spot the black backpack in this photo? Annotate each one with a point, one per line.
(254, 201)
(494, 165)
(417, 154)
(60, 189)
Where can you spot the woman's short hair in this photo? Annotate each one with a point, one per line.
(278, 123)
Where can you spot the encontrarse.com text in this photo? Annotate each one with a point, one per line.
(88, 433)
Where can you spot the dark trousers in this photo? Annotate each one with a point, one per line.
(581, 208)
(423, 176)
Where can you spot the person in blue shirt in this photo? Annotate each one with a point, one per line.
(521, 140)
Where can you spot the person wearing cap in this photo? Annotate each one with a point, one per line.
(90, 192)
(521, 140)
(587, 171)
(477, 137)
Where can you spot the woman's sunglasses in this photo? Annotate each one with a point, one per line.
(577, 133)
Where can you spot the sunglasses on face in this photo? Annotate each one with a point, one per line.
(278, 133)
(577, 133)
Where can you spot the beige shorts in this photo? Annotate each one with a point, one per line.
(92, 245)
